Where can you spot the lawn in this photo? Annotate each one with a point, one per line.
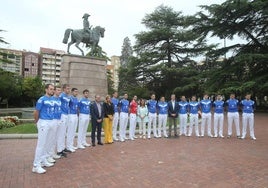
(26, 128)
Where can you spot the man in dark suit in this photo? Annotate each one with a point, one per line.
(173, 114)
(97, 114)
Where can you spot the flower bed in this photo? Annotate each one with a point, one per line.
(8, 121)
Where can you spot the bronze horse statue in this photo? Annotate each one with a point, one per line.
(79, 35)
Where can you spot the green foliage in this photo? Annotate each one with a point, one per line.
(8, 121)
(246, 70)
(33, 88)
(2, 40)
(110, 82)
(10, 85)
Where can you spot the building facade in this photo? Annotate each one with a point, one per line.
(31, 64)
(51, 65)
(11, 60)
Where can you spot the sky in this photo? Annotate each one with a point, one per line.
(31, 24)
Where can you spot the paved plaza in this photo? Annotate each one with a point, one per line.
(175, 162)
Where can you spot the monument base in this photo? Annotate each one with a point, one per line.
(84, 73)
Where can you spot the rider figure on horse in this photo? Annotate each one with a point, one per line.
(86, 27)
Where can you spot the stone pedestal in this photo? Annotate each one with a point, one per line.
(84, 73)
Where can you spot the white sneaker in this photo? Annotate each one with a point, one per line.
(55, 156)
(38, 170)
(115, 139)
(75, 148)
(122, 140)
(47, 164)
(135, 137)
(254, 138)
(221, 136)
(81, 147)
(72, 150)
(50, 160)
(86, 145)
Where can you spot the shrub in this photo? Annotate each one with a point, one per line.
(8, 121)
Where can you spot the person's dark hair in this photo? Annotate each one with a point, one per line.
(86, 90)
(47, 86)
(141, 103)
(74, 89)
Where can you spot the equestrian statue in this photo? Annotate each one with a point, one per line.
(88, 35)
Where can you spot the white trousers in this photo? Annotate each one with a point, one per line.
(183, 123)
(82, 128)
(152, 120)
(206, 119)
(248, 119)
(44, 127)
(71, 130)
(132, 125)
(218, 124)
(193, 122)
(233, 116)
(52, 137)
(62, 133)
(123, 125)
(115, 124)
(162, 124)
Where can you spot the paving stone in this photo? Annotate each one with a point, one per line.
(182, 162)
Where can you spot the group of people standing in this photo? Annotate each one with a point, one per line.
(59, 113)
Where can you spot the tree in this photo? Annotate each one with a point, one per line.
(126, 76)
(10, 86)
(110, 82)
(247, 67)
(126, 52)
(2, 40)
(33, 88)
(165, 50)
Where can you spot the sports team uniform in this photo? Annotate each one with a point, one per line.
(248, 118)
(152, 117)
(183, 106)
(84, 118)
(124, 104)
(45, 106)
(72, 123)
(193, 109)
(233, 115)
(218, 118)
(65, 99)
(162, 108)
(206, 116)
(56, 123)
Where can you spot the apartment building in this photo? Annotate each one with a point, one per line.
(31, 64)
(11, 60)
(51, 65)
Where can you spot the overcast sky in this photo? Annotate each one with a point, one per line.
(31, 24)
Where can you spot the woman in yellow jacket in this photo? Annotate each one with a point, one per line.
(108, 120)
